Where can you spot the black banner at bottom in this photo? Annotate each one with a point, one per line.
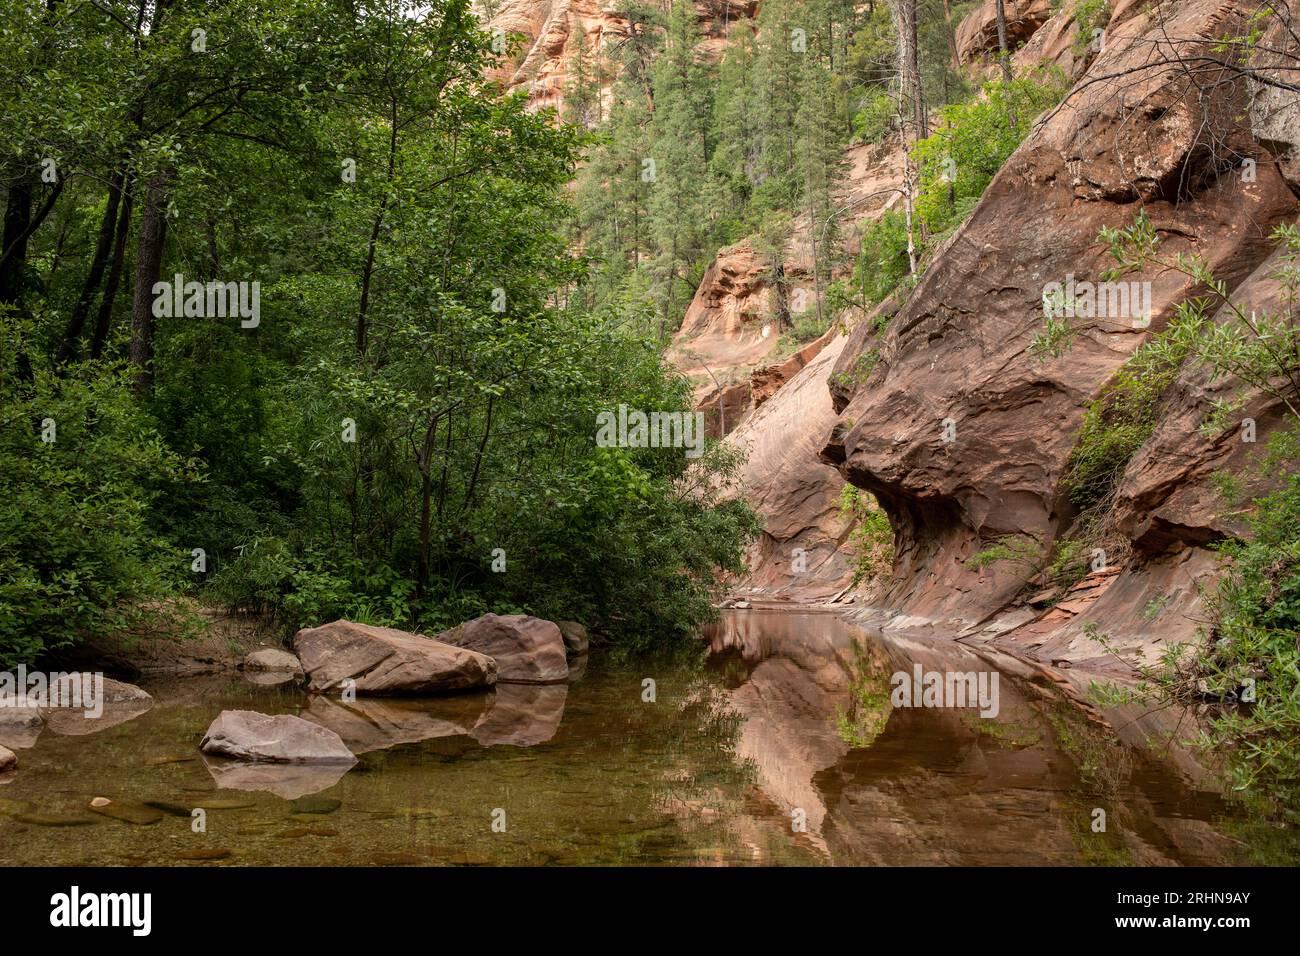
(151, 906)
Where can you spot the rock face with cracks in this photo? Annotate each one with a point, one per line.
(544, 64)
(777, 408)
(963, 435)
(800, 549)
(978, 33)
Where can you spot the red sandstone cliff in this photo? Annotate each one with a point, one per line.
(1133, 135)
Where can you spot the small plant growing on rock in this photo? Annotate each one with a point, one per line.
(872, 538)
(1024, 550)
(1055, 337)
(1261, 350)
(1069, 565)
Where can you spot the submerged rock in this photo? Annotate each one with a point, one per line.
(316, 805)
(135, 814)
(8, 759)
(216, 853)
(527, 650)
(423, 813)
(118, 703)
(20, 726)
(250, 736)
(382, 660)
(52, 820)
(223, 803)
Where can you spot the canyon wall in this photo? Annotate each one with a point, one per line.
(961, 432)
(775, 406)
(964, 435)
(540, 64)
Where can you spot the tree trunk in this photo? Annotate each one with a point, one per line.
(19, 226)
(368, 271)
(907, 210)
(423, 570)
(780, 287)
(98, 263)
(148, 268)
(909, 69)
(13, 245)
(952, 41)
(1003, 53)
(104, 319)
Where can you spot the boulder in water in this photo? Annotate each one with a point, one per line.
(382, 660)
(575, 637)
(272, 660)
(257, 738)
(527, 650)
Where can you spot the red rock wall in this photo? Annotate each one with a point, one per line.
(1128, 138)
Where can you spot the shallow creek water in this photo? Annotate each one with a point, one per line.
(778, 747)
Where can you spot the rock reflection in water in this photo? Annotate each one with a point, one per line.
(792, 713)
(289, 781)
(522, 715)
(376, 723)
(938, 785)
(796, 678)
(20, 727)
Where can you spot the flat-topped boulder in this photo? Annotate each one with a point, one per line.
(527, 650)
(386, 661)
(258, 738)
(272, 660)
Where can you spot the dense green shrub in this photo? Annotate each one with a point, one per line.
(81, 466)
(1247, 661)
(882, 261)
(804, 328)
(407, 434)
(877, 117)
(972, 140)
(1250, 660)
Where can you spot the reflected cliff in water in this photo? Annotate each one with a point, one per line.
(774, 742)
(881, 784)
